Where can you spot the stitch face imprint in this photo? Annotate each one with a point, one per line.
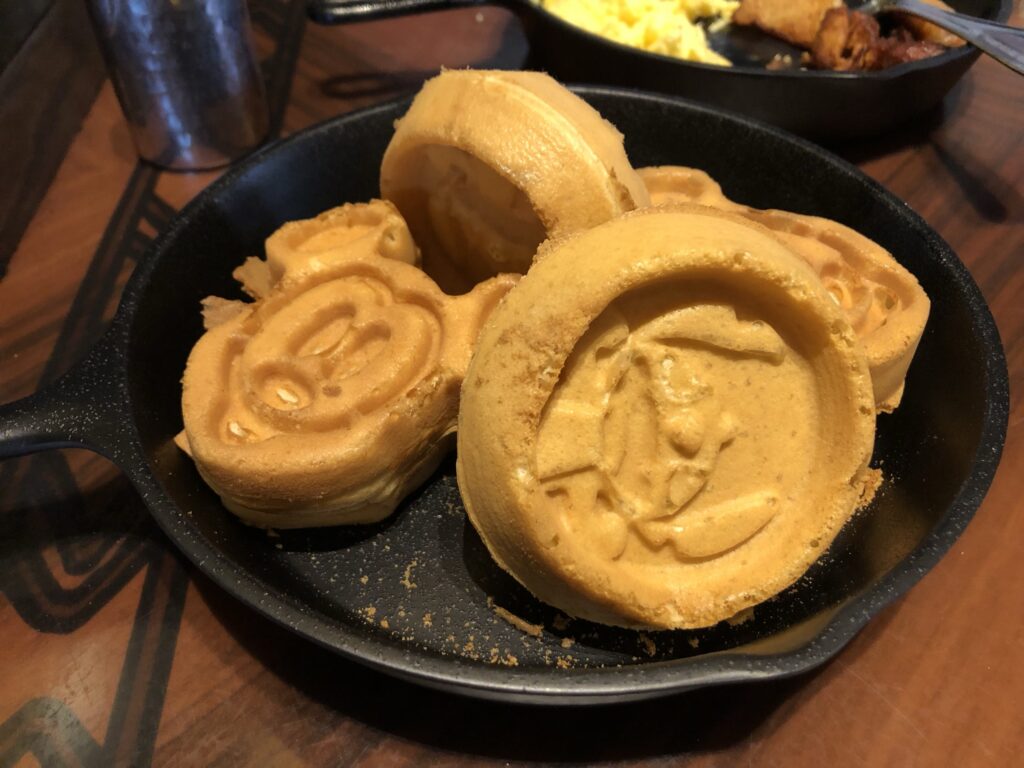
(659, 421)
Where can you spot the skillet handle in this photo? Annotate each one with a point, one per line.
(84, 408)
(345, 11)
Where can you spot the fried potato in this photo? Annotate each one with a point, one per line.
(846, 41)
(927, 32)
(795, 21)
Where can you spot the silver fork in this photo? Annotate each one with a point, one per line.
(1004, 44)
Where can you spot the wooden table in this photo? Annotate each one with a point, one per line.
(115, 651)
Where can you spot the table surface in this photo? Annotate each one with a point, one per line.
(116, 651)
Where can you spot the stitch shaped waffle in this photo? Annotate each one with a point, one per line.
(666, 422)
(487, 165)
(336, 394)
(882, 301)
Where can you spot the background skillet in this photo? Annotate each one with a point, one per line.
(940, 449)
(821, 105)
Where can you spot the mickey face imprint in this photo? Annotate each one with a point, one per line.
(334, 353)
(333, 396)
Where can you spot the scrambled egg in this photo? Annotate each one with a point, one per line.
(660, 26)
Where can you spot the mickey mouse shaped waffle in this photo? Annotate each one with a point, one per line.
(336, 393)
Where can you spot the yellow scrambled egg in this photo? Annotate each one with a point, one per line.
(660, 26)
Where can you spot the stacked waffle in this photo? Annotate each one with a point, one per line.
(666, 420)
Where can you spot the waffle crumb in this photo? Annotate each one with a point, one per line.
(741, 618)
(872, 482)
(407, 581)
(649, 647)
(522, 625)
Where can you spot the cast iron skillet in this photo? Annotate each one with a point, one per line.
(821, 105)
(416, 596)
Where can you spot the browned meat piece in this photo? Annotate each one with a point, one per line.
(897, 50)
(849, 41)
(796, 21)
(928, 32)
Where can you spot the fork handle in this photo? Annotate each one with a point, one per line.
(1004, 44)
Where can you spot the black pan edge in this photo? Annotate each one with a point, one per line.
(611, 684)
(889, 73)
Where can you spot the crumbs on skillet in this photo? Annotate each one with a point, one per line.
(472, 643)
(398, 601)
(407, 581)
(469, 641)
(549, 642)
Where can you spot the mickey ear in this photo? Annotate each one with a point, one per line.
(340, 234)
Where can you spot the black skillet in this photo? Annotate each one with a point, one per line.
(418, 596)
(821, 105)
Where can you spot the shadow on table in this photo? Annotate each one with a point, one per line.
(976, 190)
(919, 130)
(983, 190)
(73, 533)
(991, 199)
(706, 720)
(380, 84)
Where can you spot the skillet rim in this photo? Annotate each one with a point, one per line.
(907, 68)
(576, 686)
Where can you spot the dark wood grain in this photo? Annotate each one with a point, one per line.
(45, 90)
(936, 679)
(17, 20)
